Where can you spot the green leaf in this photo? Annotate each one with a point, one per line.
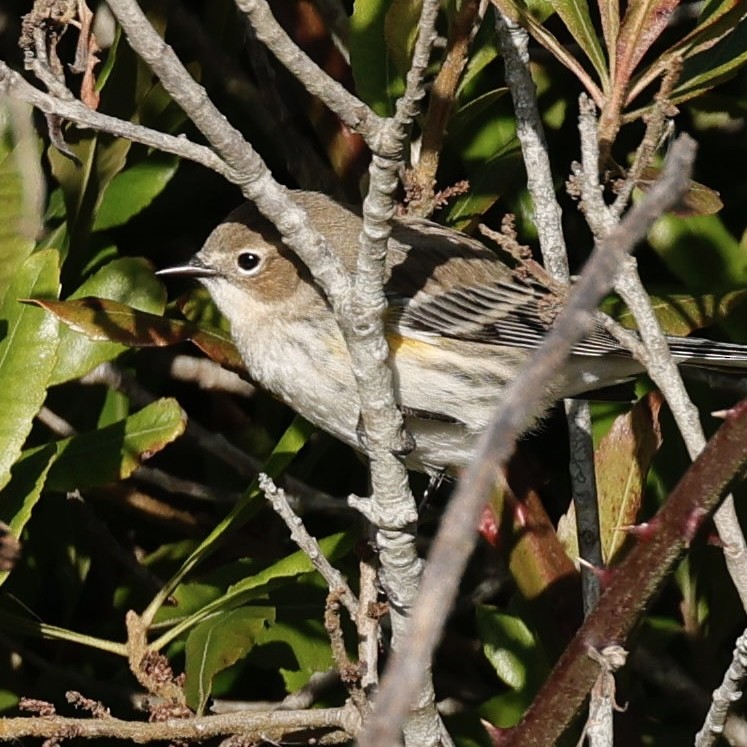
(718, 19)
(102, 157)
(21, 494)
(115, 451)
(113, 322)
(369, 59)
(15, 247)
(681, 314)
(701, 251)
(216, 644)
(577, 19)
(284, 452)
(27, 354)
(512, 650)
(713, 66)
(401, 32)
(251, 588)
(309, 643)
(134, 189)
(129, 281)
(516, 10)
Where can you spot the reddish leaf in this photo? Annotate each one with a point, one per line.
(100, 319)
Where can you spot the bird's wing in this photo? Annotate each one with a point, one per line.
(499, 313)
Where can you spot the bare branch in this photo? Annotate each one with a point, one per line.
(72, 110)
(724, 697)
(349, 108)
(273, 726)
(308, 544)
(514, 40)
(654, 353)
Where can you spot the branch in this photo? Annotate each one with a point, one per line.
(308, 544)
(421, 180)
(271, 726)
(637, 581)
(247, 169)
(519, 404)
(349, 108)
(654, 353)
(12, 84)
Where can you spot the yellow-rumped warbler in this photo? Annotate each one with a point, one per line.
(459, 323)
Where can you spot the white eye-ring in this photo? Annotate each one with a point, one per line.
(248, 262)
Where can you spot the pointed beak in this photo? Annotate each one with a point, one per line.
(194, 269)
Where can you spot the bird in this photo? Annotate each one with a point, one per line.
(459, 323)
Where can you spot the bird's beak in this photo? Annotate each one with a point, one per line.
(194, 269)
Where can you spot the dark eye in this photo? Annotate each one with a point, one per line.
(248, 262)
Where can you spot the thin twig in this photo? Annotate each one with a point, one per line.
(350, 109)
(12, 84)
(308, 544)
(655, 354)
(421, 180)
(273, 726)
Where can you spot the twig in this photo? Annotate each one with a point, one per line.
(12, 84)
(599, 727)
(209, 375)
(725, 695)
(520, 399)
(350, 673)
(367, 623)
(636, 581)
(546, 212)
(307, 543)
(350, 109)
(655, 353)
(273, 726)
(392, 508)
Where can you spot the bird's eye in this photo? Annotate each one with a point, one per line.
(248, 262)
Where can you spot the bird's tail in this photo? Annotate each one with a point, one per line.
(694, 351)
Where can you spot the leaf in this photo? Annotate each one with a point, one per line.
(115, 451)
(102, 157)
(369, 59)
(700, 251)
(21, 494)
(309, 643)
(699, 199)
(27, 354)
(713, 66)
(132, 190)
(284, 452)
(641, 26)
(577, 19)
(682, 314)
(128, 280)
(15, 247)
(216, 644)
(255, 586)
(718, 19)
(621, 461)
(110, 321)
(401, 32)
(516, 10)
(512, 650)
